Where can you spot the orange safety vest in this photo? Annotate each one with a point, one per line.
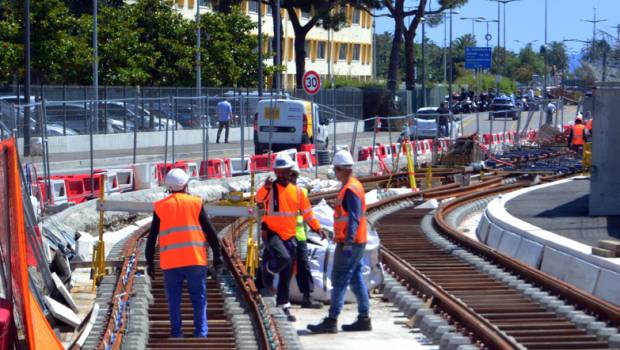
(291, 202)
(589, 124)
(181, 239)
(341, 217)
(578, 132)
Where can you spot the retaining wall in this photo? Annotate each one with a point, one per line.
(551, 253)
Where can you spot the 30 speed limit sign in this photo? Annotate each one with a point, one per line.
(312, 82)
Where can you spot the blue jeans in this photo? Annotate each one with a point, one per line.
(278, 257)
(348, 271)
(196, 277)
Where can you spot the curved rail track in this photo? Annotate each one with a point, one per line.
(495, 311)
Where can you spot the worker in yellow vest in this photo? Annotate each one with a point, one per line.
(183, 228)
(350, 231)
(302, 259)
(283, 201)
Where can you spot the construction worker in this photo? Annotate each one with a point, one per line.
(350, 237)
(184, 229)
(589, 126)
(283, 201)
(577, 136)
(302, 259)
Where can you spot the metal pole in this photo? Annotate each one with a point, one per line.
(498, 46)
(314, 135)
(176, 121)
(95, 110)
(278, 36)
(260, 51)
(372, 146)
(135, 127)
(545, 58)
(198, 61)
(166, 137)
(477, 123)
(26, 78)
(423, 63)
(450, 77)
(445, 60)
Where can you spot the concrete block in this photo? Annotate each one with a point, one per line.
(614, 341)
(582, 275)
(594, 327)
(530, 253)
(419, 316)
(482, 231)
(582, 321)
(608, 286)
(430, 323)
(509, 243)
(495, 236)
(605, 333)
(61, 312)
(440, 331)
(457, 341)
(555, 262)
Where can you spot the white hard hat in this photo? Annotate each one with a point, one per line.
(295, 168)
(283, 161)
(343, 158)
(176, 179)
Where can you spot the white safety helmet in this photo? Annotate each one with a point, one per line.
(295, 168)
(176, 180)
(283, 161)
(343, 159)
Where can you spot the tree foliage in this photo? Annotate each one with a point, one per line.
(144, 43)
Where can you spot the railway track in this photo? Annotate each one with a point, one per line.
(477, 295)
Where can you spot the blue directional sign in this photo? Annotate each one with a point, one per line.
(478, 57)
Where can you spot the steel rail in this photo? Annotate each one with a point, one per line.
(602, 309)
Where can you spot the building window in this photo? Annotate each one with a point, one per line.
(320, 51)
(269, 10)
(356, 16)
(204, 3)
(356, 52)
(307, 48)
(270, 45)
(252, 6)
(305, 14)
(342, 53)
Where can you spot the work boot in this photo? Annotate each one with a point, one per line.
(289, 316)
(308, 303)
(361, 324)
(329, 325)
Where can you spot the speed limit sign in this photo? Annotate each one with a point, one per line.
(312, 82)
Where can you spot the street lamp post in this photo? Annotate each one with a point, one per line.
(423, 62)
(473, 21)
(504, 2)
(26, 78)
(451, 12)
(594, 21)
(487, 21)
(260, 48)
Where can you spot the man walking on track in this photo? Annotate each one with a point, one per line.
(350, 237)
(283, 201)
(183, 228)
(577, 136)
(224, 115)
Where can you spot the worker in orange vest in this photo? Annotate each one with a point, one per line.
(350, 230)
(283, 201)
(577, 136)
(589, 126)
(184, 229)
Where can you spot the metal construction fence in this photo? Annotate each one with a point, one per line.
(121, 109)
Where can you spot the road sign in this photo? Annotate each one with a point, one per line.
(488, 37)
(478, 57)
(312, 82)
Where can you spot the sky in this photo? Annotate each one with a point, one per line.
(525, 21)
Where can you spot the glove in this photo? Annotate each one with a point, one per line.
(347, 251)
(322, 233)
(150, 271)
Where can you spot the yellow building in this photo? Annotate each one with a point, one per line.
(346, 52)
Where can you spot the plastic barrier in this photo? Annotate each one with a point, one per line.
(162, 169)
(226, 167)
(58, 191)
(363, 154)
(76, 193)
(311, 149)
(380, 151)
(238, 167)
(211, 169)
(125, 179)
(145, 176)
(260, 162)
(303, 160)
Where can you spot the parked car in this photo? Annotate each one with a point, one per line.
(77, 116)
(128, 111)
(425, 125)
(503, 107)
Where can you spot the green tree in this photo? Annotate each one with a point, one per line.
(11, 50)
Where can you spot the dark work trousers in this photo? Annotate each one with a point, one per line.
(223, 124)
(278, 259)
(304, 276)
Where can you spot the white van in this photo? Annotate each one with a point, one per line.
(294, 123)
